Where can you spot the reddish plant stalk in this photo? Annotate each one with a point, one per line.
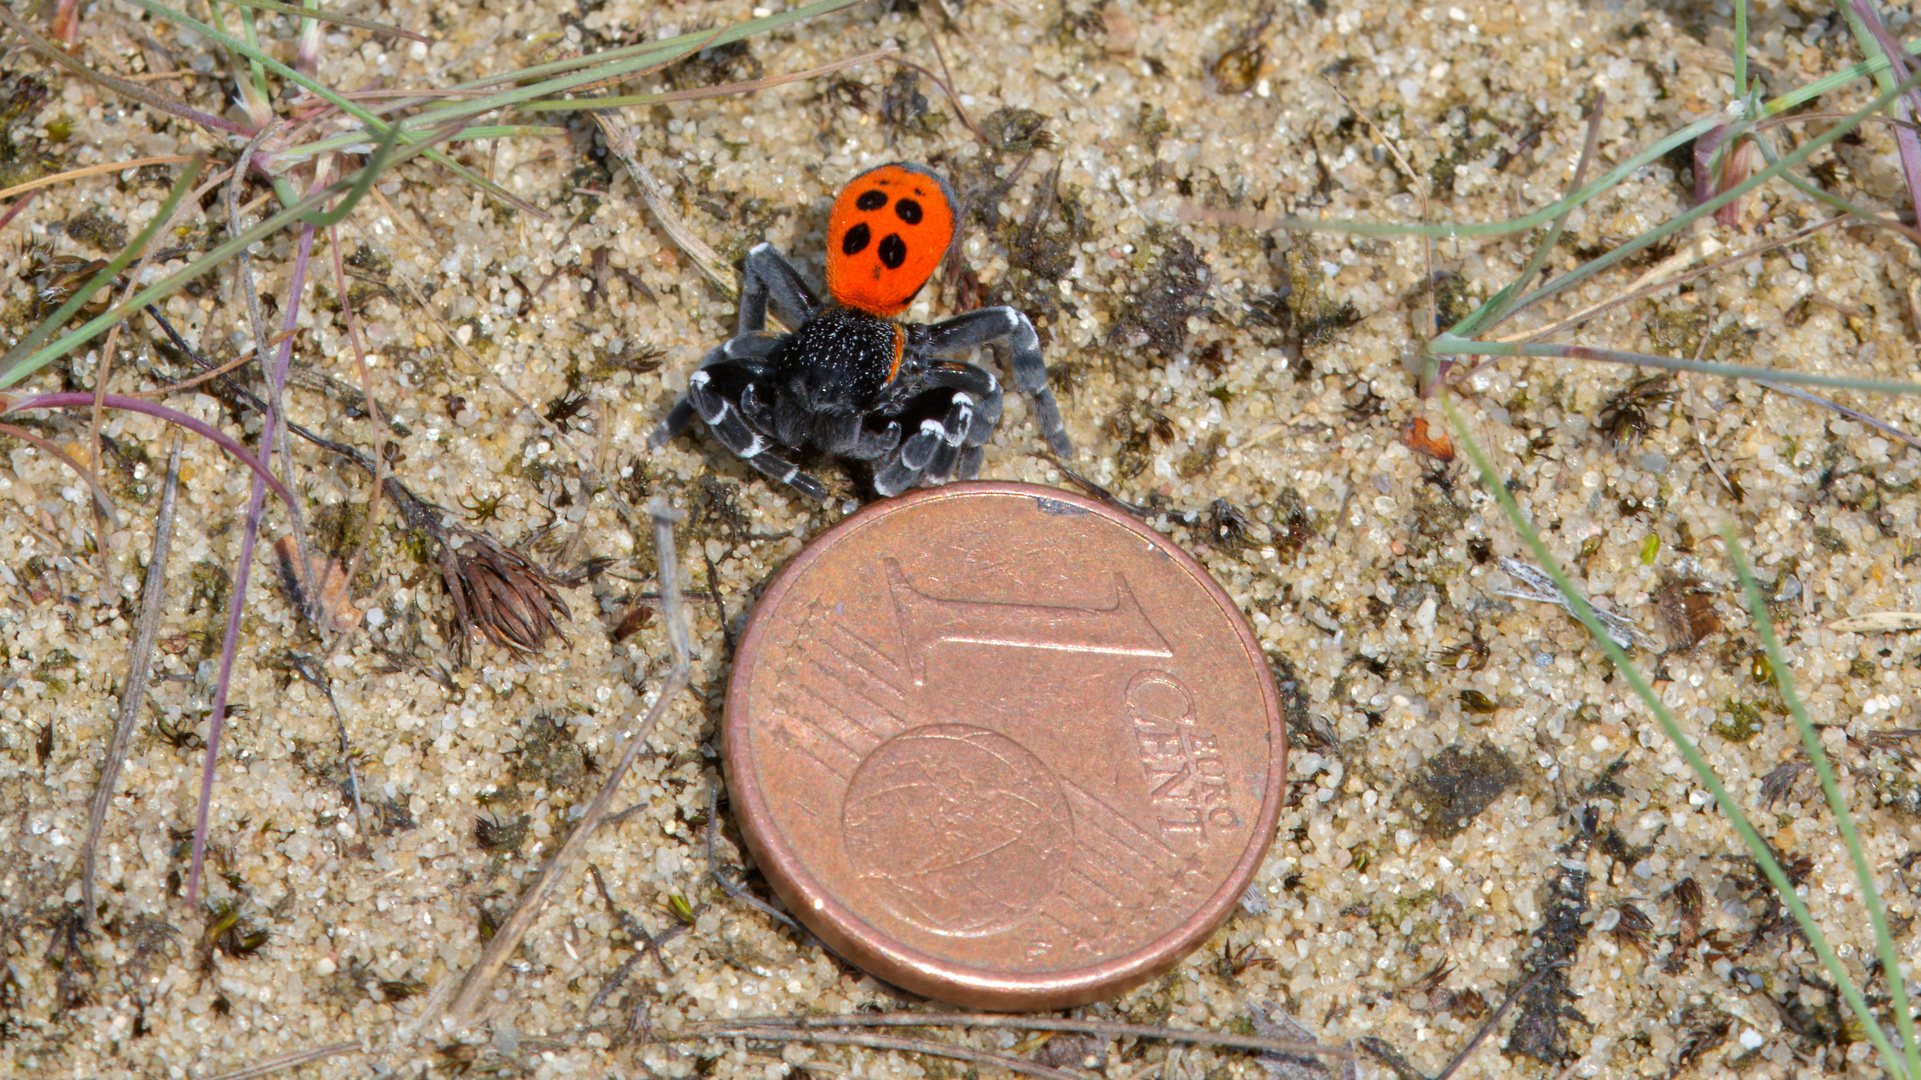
(269, 431)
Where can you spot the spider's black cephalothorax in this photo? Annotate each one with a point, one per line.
(858, 385)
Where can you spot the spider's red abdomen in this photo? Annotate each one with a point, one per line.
(888, 231)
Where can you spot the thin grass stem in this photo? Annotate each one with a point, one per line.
(11, 362)
(1449, 345)
(1837, 804)
(74, 399)
(1654, 236)
(1757, 847)
(123, 87)
(1497, 306)
(153, 601)
(306, 13)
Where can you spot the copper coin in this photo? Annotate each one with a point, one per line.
(1004, 746)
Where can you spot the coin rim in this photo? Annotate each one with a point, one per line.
(845, 930)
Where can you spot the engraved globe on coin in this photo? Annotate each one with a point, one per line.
(1003, 746)
(958, 830)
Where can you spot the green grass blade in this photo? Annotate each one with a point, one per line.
(1654, 236)
(1801, 95)
(1843, 819)
(329, 17)
(1740, 46)
(1448, 231)
(1757, 847)
(12, 366)
(363, 184)
(1449, 345)
(167, 286)
(327, 94)
(652, 50)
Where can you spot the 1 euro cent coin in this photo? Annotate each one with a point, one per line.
(1003, 746)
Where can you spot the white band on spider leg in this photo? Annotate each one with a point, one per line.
(698, 378)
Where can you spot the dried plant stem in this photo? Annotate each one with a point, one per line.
(507, 938)
(288, 1061)
(100, 497)
(75, 399)
(886, 1042)
(620, 140)
(1106, 1028)
(152, 99)
(153, 598)
(368, 529)
(91, 170)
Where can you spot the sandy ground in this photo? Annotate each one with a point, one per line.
(1475, 801)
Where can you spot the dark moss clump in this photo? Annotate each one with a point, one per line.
(549, 757)
(1293, 525)
(1012, 130)
(23, 160)
(732, 62)
(1307, 315)
(1173, 292)
(1743, 721)
(95, 229)
(904, 108)
(1454, 787)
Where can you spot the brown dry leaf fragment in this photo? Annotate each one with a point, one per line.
(1434, 444)
(1686, 610)
(1122, 34)
(338, 611)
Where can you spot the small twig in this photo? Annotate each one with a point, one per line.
(945, 88)
(1492, 1021)
(713, 589)
(634, 927)
(733, 890)
(13, 211)
(1853, 414)
(160, 102)
(313, 676)
(507, 938)
(249, 536)
(100, 496)
(170, 389)
(380, 440)
(91, 170)
(1106, 1028)
(1421, 185)
(288, 1061)
(620, 141)
(152, 601)
(886, 1042)
(947, 84)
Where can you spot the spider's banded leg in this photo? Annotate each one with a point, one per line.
(716, 364)
(768, 279)
(1004, 324)
(981, 390)
(729, 425)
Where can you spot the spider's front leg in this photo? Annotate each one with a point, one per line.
(1007, 326)
(768, 280)
(725, 396)
(950, 419)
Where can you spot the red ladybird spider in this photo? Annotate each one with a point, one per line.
(851, 382)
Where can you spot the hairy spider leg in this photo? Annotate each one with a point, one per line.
(1004, 325)
(712, 390)
(952, 415)
(750, 345)
(769, 280)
